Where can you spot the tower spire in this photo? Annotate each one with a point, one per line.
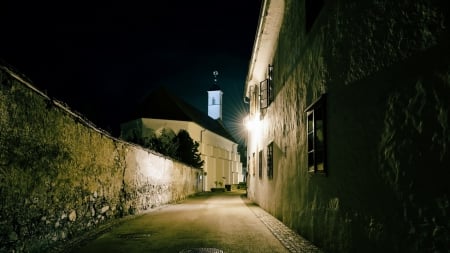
(215, 74)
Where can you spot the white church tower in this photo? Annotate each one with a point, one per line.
(215, 99)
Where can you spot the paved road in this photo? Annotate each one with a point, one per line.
(221, 221)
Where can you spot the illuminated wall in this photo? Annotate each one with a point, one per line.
(384, 67)
(61, 177)
(222, 161)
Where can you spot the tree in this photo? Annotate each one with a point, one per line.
(187, 151)
(167, 143)
(181, 146)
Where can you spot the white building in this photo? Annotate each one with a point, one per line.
(215, 100)
(218, 149)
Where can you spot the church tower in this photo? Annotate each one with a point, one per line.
(215, 99)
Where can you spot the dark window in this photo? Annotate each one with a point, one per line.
(254, 164)
(260, 163)
(315, 129)
(312, 10)
(270, 74)
(266, 89)
(270, 161)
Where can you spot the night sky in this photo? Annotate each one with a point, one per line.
(103, 58)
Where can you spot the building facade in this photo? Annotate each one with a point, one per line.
(348, 126)
(222, 165)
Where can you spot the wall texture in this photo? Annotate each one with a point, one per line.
(385, 67)
(61, 177)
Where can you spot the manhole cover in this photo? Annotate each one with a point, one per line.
(202, 250)
(133, 236)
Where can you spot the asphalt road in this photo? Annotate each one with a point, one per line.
(219, 221)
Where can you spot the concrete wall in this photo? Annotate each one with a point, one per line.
(385, 67)
(61, 177)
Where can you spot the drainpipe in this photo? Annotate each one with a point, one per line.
(203, 171)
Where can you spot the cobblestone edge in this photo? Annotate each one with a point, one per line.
(290, 239)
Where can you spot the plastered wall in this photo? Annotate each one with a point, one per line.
(61, 177)
(385, 68)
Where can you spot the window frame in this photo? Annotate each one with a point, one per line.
(254, 163)
(316, 136)
(260, 165)
(269, 160)
(264, 100)
(266, 96)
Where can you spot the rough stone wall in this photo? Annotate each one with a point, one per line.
(385, 67)
(60, 177)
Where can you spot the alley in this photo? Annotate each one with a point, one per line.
(221, 221)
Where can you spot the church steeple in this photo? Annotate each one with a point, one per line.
(215, 99)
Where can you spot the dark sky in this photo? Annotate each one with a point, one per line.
(102, 58)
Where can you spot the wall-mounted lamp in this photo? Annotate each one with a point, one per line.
(252, 122)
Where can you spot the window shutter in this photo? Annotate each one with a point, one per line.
(264, 99)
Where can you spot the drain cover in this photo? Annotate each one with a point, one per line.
(202, 250)
(133, 236)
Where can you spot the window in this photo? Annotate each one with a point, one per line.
(316, 131)
(260, 163)
(264, 101)
(270, 160)
(266, 89)
(213, 101)
(254, 164)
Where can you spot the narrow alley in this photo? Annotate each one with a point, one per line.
(209, 222)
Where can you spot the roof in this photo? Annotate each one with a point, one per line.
(162, 104)
(266, 38)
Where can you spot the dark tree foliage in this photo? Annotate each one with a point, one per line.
(151, 142)
(167, 143)
(181, 146)
(188, 150)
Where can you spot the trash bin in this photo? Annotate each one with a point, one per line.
(228, 187)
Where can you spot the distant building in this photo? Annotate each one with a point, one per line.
(163, 110)
(349, 122)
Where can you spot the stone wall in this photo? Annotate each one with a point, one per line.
(385, 67)
(60, 176)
